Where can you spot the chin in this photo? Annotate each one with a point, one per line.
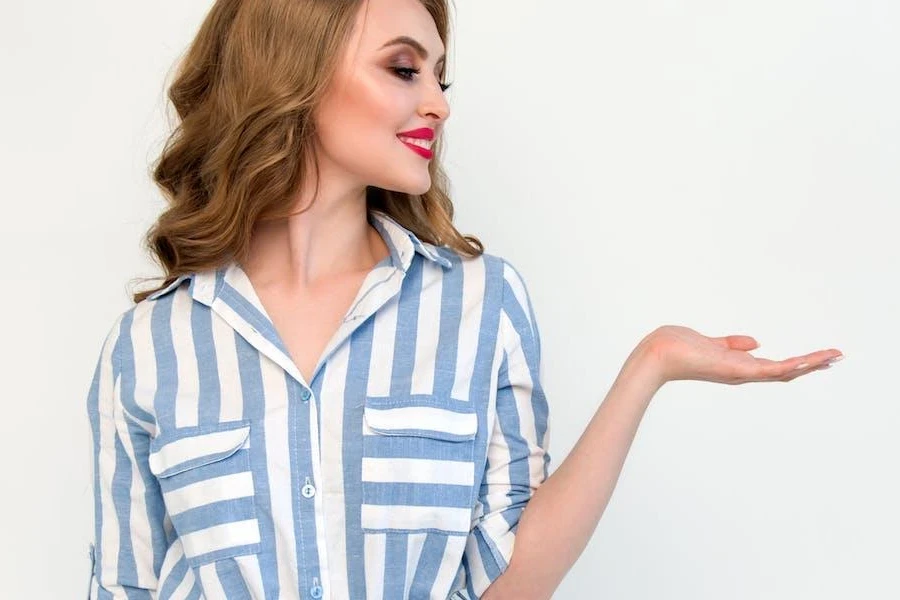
(412, 187)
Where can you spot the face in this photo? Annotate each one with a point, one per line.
(382, 89)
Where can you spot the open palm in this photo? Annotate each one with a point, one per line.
(685, 354)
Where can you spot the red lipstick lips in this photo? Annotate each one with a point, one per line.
(423, 133)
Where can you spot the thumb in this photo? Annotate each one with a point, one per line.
(737, 342)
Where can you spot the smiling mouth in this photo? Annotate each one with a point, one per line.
(416, 141)
(417, 145)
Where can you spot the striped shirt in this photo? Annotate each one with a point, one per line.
(399, 472)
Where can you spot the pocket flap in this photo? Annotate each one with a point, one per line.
(422, 415)
(185, 451)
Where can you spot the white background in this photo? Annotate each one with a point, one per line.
(726, 166)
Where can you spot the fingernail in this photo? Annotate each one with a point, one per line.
(835, 359)
(801, 366)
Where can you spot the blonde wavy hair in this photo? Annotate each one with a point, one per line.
(245, 92)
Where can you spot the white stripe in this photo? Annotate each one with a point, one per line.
(231, 393)
(375, 549)
(497, 529)
(184, 588)
(422, 417)
(469, 326)
(109, 414)
(449, 568)
(414, 543)
(318, 510)
(278, 467)
(187, 395)
(144, 357)
(209, 579)
(417, 470)
(217, 489)
(139, 524)
(415, 517)
(518, 288)
(428, 330)
(480, 579)
(227, 535)
(249, 566)
(520, 373)
(381, 363)
(332, 487)
(193, 447)
(173, 556)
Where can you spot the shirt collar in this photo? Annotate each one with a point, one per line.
(401, 242)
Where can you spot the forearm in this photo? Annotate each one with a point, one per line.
(563, 513)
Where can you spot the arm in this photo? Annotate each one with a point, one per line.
(563, 513)
(129, 537)
(550, 540)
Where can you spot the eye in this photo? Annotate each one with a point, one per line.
(408, 73)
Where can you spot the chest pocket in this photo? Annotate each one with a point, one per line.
(418, 465)
(207, 484)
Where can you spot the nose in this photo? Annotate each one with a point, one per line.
(434, 103)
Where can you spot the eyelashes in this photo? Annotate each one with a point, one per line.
(407, 74)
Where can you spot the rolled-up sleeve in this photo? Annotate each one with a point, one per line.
(518, 456)
(129, 536)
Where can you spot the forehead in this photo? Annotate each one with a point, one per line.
(381, 20)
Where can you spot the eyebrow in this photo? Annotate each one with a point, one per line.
(414, 44)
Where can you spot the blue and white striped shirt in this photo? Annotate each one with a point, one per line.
(399, 472)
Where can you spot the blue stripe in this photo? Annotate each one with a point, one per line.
(255, 410)
(166, 362)
(175, 577)
(417, 494)
(352, 453)
(407, 330)
(395, 565)
(217, 513)
(126, 363)
(207, 364)
(232, 581)
(122, 502)
(252, 315)
(448, 334)
(93, 410)
(408, 446)
(429, 563)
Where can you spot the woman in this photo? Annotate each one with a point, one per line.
(335, 394)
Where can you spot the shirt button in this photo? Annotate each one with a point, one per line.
(304, 394)
(308, 490)
(316, 590)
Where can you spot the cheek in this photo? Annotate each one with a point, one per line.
(365, 114)
(358, 126)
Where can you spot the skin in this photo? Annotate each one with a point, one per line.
(368, 103)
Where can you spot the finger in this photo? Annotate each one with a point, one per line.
(790, 368)
(736, 342)
(805, 371)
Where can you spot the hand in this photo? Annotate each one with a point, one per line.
(684, 354)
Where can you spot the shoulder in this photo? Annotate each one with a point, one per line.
(135, 326)
(495, 267)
